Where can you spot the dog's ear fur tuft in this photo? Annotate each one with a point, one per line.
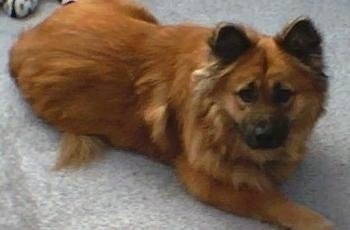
(302, 40)
(228, 42)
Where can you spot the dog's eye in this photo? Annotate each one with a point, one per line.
(281, 95)
(248, 95)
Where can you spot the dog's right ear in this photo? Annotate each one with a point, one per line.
(228, 42)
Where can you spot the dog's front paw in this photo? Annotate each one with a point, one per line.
(320, 224)
(299, 217)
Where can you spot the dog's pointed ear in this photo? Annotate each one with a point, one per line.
(228, 42)
(302, 40)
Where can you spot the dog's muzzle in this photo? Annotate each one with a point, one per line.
(266, 134)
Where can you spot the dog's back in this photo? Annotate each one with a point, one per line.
(69, 66)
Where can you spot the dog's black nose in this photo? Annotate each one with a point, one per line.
(263, 131)
(264, 136)
(267, 135)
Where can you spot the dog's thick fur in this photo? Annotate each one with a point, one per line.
(106, 70)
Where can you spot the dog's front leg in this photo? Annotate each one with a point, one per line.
(267, 205)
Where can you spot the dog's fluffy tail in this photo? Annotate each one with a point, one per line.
(77, 150)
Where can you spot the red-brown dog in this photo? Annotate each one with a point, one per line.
(230, 108)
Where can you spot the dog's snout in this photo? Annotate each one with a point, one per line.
(266, 134)
(263, 132)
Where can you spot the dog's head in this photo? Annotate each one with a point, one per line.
(269, 90)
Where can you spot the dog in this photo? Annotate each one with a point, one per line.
(230, 108)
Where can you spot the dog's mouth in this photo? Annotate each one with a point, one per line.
(264, 142)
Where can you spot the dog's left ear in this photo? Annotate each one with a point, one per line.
(228, 42)
(302, 40)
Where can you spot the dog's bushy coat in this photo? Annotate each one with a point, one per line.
(111, 72)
